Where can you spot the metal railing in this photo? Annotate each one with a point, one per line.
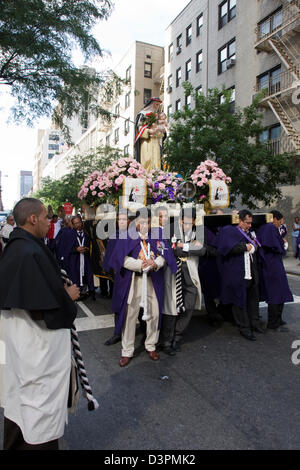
(284, 81)
(289, 15)
(281, 145)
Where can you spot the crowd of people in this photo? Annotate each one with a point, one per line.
(158, 274)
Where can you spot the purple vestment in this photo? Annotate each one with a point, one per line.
(114, 259)
(274, 288)
(232, 267)
(70, 258)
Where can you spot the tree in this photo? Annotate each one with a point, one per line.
(57, 192)
(211, 130)
(36, 42)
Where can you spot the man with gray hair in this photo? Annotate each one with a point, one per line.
(36, 313)
(7, 229)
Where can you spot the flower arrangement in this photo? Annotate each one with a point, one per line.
(156, 123)
(106, 187)
(164, 187)
(204, 172)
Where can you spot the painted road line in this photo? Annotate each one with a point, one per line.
(86, 310)
(95, 323)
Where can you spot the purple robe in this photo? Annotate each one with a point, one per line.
(274, 288)
(70, 258)
(114, 259)
(208, 268)
(298, 249)
(232, 267)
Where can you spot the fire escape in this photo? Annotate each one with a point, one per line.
(280, 33)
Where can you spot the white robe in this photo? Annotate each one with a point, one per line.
(34, 375)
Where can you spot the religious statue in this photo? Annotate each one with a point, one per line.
(150, 130)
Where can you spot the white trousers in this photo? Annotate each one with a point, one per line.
(128, 334)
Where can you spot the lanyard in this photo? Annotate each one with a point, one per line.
(147, 255)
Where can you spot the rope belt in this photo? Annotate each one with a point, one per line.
(84, 381)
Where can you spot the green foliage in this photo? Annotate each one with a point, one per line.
(57, 192)
(211, 130)
(36, 42)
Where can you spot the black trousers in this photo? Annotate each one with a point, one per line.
(13, 439)
(274, 315)
(248, 318)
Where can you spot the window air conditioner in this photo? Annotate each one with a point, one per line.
(230, 63)
(169, 89)
(178, 50)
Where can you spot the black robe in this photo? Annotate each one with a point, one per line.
(30, 280)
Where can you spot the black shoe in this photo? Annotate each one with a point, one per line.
(281, 329)
(258, 329)
(169, 350)
(92, 294)
(113, 340)
(176, 346)
(248, 335)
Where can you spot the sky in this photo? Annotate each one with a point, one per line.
(131, 20)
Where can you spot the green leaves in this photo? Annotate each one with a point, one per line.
(211, 130)
(36, 42)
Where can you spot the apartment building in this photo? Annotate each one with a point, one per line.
(142, 67)
(50, 143)
(247, 46)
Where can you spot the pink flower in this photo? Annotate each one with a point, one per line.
(94, 193)
(200, 183)
(162, 186)
(132, 171)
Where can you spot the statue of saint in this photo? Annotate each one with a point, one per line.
(150, 130)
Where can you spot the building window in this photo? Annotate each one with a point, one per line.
(126, 150)
(189, 35)
(117, 110)
(170, 83)
(127, 100)
(107, 141)
(272, 133)
(199, 60)
(128, 75)
(270, 81)
(188, 70)
(50, 155)
(199, 89)
(169, 110)
(53, 147)
(171, 52)
(270, 24)
(227, 11)
(178, 77)
(147, 95)
(188, 101)
(148, 70)
(126, 126)
(117, 136)
(199, 24)
(54, 137)
(179, 44)
(178, 105)
(226, 56)
(231, 101)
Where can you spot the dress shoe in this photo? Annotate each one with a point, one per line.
(113, 340)
(124, 361)
(258, 329)
(176, 346)
(248, 335)
(153, 355)
(169, 350)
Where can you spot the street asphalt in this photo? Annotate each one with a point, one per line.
(220, 392)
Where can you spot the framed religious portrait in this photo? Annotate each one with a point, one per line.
(218, 194)
(134, 193)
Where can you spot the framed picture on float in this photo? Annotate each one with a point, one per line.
(134, 193)
(218, 194)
